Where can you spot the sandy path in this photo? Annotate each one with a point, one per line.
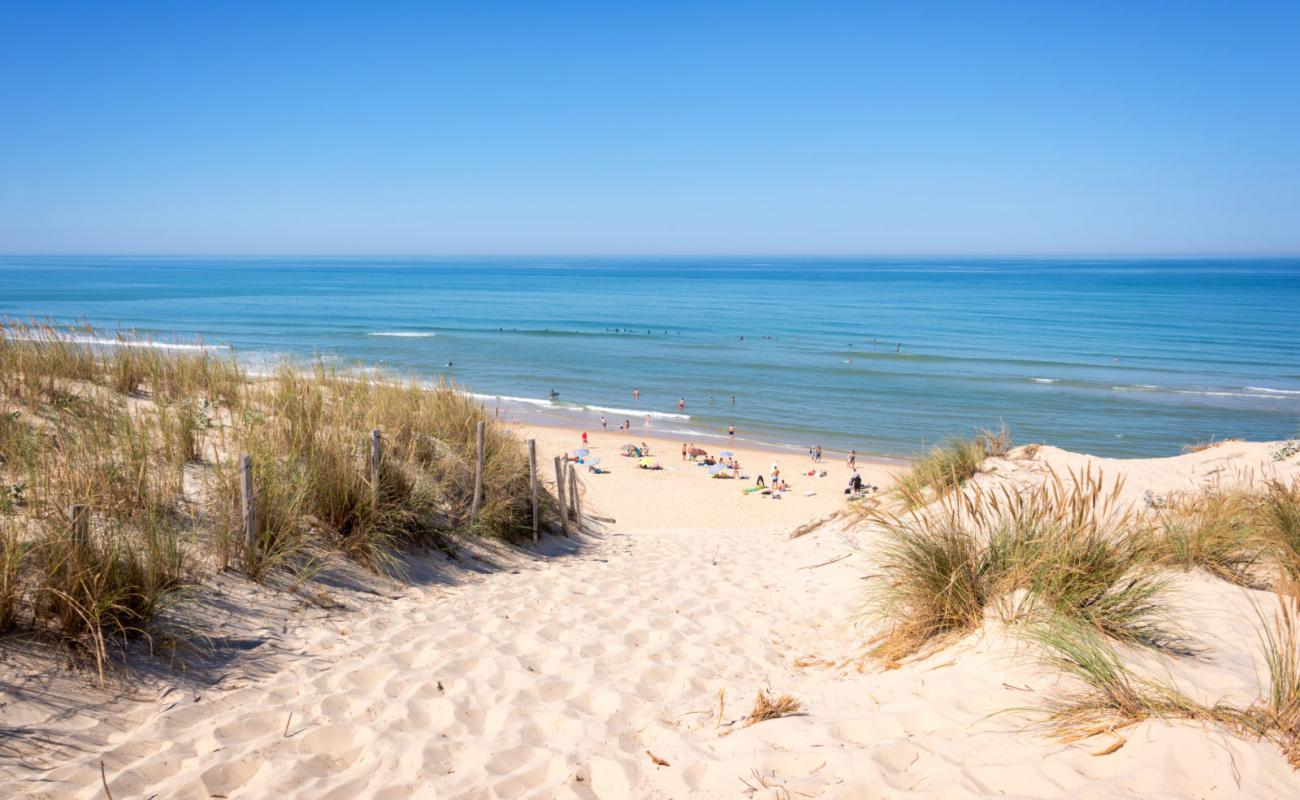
(553, 680)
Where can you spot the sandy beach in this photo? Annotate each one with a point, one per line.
(683, 495)
(624, 663)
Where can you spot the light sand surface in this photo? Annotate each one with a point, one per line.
(561, 675)
(683, 495)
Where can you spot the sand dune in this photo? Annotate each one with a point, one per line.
(625, 667)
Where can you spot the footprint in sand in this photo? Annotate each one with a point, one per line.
(329, 739)
(226, 777)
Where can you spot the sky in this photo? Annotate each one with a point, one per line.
(391, 128)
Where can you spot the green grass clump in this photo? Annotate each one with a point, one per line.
(1214, 531)
(936, 581)
(1278, 517)
(12, 553)
(1109, 696)
(1055, 549)
(110, 585)
(946, 467)
(1279, 716)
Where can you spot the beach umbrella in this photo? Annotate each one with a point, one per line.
(716, 468)
(581, 452)
(726, 454)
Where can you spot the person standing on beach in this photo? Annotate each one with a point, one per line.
(817, 454)
(853, 459)
(731, 432)
(603, 425)
(683, 451)
(584, 438)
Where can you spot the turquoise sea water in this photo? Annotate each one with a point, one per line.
(1114, 357)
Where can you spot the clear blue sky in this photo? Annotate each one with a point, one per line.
(655, 127)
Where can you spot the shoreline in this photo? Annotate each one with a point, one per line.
(528, 413)
(684, 496)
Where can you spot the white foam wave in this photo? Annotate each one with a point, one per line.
(1256, 395)
(93, 341)
(404, 334)
(625, 412)
(1045, 380)
(1267, 390)
(505, 398)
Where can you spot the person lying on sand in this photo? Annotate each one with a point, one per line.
(653, 466)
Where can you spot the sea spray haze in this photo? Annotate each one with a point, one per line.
(1115, 357)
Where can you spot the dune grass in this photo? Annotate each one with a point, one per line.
(944, 468)
(1214, 531)
(1248, 537)
(109, 586)
(1109, 696)
(1059, 548)
(149, 439)
(1280, 713)
(1278, 515)
(12, 552)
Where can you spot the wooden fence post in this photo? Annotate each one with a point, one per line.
(478, 471)
(532, 483)
(559, 494)
(575, 503)
(80, 525)
(249, 508)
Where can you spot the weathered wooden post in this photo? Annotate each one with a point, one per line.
(478, 471)
(80, 516)
(249, 515)
(559, 494)
(575, 504)
(532, 483)
(376, 456)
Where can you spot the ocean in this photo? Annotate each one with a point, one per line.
(1124, 357)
